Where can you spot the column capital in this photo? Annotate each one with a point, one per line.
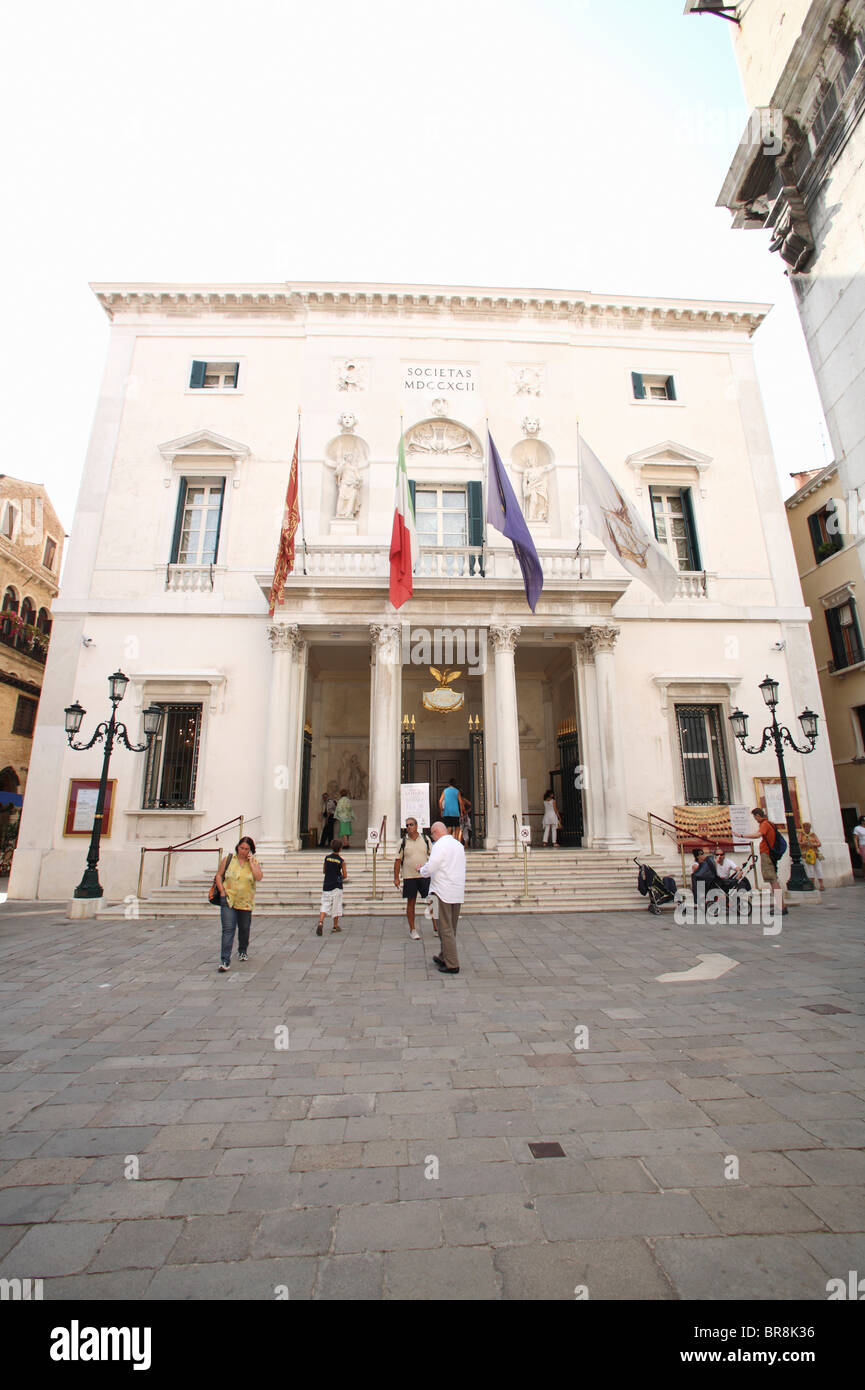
(384, 633)
(602, 639)
(285, 637)
(584, 648)
(504, 636)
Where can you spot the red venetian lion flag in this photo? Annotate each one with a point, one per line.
(403, 543)
(290, 519)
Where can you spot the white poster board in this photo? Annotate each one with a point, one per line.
(774, 803)
(372, 837)
(414, 804)
(85, 808)
(742, 827)
(525, 834)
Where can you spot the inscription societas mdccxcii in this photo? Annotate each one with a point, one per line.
(436, 378)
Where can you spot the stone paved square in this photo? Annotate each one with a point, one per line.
(158, 1143)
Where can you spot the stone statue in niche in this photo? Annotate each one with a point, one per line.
(347, 456)
(535, 494)
(533, 459)
(349, 483)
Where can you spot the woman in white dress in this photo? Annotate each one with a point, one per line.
(551, 818)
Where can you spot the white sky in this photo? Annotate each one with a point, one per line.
(567, 144)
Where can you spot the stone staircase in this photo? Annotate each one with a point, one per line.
(561, 880)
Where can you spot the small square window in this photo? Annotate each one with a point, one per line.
(214, 376)
(25, 716)
(653, 388)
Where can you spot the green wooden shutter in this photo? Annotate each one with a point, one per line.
(652, 509)
(690, 529)
(639, 388)
(476, 524)
(671, 389)
(178, 521)
(816, 533)
(412, 486)
(839, 656)
(476, 514)
(197, 378)
(219, 522)
(858, 654)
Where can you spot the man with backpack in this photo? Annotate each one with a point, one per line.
(773, 847)
(414, 850)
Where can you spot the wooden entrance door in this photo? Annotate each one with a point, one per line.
(437, 768)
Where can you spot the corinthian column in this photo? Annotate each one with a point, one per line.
(594, 808)
(277, 781)
(504, 639)
(617, 832)
(385, 689)
(294, 760)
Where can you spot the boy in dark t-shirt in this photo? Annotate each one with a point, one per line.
(331, 890)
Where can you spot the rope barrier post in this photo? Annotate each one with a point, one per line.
(651, 836)
(140, 872)
(682, 848)
(525, 871)
(374, 854)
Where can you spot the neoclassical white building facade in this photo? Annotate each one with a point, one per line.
(618, 701)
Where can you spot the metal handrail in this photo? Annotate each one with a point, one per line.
(382, 844)
(517, 823)
(179, 848)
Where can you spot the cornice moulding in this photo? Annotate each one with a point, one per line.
(301, 300)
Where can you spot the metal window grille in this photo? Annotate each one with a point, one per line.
(171, 769)
(704, 762)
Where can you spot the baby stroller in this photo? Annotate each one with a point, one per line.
(650, 885)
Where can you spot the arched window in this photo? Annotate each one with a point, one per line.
(10, 601)
(28, 611)
(43, 621)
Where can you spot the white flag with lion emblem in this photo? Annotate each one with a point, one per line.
(616, 522)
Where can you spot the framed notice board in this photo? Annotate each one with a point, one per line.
(81, 806)
(769, 796)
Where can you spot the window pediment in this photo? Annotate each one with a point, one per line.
(201, 451)
(669, 462)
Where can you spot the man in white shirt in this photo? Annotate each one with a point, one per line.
(446, 870)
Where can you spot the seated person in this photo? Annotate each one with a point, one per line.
(729, 874)
(703, 870)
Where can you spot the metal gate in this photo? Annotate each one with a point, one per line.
(569, 793)
(306, 765)
(478, 789)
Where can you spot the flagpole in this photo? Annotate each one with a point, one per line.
(300, 491)
(579, 500)
(484, 489)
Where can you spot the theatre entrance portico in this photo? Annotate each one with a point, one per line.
(342, 698)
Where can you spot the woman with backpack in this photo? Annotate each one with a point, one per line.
(772, 847)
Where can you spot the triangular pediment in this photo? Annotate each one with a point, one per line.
(669, 453)
(204, 442)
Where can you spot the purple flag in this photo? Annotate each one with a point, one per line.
(503, 512)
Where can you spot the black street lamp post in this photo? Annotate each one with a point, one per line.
(90, 887)
(779, 735)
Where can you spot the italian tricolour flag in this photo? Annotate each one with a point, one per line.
(403, 541)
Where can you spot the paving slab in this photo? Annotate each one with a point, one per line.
(386, 1152)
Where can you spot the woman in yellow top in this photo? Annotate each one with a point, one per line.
(236, 880)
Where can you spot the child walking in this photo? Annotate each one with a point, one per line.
(331, 890)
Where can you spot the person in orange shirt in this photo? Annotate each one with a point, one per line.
(768, 867)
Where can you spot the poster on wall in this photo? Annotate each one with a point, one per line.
(770, 795)
(81, 806)
(414, 803)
